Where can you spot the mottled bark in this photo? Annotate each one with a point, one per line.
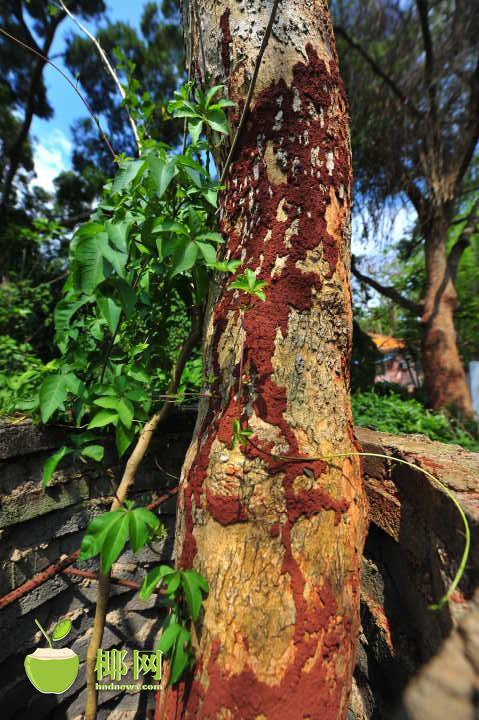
(279, 541)
(444, 376)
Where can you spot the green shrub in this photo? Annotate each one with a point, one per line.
(393, 414)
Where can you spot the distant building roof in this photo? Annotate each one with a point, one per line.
(386, 343)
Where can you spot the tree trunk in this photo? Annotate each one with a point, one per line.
(444, 376)
(15, 153)
(279, 541)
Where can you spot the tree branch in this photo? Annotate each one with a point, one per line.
(423, 9)
(126, 482)
(387, 291)
(403, 99)
(108, 66)
(28, 118)
(16, 149)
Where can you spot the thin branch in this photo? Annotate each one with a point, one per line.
(190, 68)
(127, 480)
(387, 291)
(252, 84)
(423, 10)
(404, 100)
(69, 81)
(108, 66)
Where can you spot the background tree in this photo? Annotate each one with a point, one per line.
(22, 86)
(279, 541)
(412, 71)
(156, 57)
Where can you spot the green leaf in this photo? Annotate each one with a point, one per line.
(172, 583)
(194, 128)
(95, 452)
(64, 312)
(114, 541)
(151, 580)
(209, 95)
(201, 282)
(128, 172)
(102, 418)
(52, 463)
(61, 629)
(214, 237)
(109, 310)
(94, 537)
(72, 383)
(118, 234)
(196, 176)
(180, 657)
(192, 592)
(124, 438)
(184, 258)
(128, 297)
(87, 262)
(168, 637)
(107, 401)
(142, 521)
(126, 412)
(53, 393)
(200, 580)
(148, 517)
(162, 171)
(224, 102)
(173, 227)
(211, 196)
(116, 258)
(231, 266)
(218, 121)
(208, 252)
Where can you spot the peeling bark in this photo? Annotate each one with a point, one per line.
(279, 541)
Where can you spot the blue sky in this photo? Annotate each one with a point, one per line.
(52, 137)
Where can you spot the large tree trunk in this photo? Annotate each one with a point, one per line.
(279, 541)
(444, 376)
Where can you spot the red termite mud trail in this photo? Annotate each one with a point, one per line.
(284, 215)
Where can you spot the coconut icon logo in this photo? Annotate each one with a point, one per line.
(52, 670)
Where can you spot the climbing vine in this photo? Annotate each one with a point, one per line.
(148, 252)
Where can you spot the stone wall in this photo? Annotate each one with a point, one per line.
(412, 551)
(39, 529)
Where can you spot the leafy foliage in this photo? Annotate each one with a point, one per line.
(183, 591)
(150, 244)
(109, 532)
(393, 414)
(248, 283)
(152, 237)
